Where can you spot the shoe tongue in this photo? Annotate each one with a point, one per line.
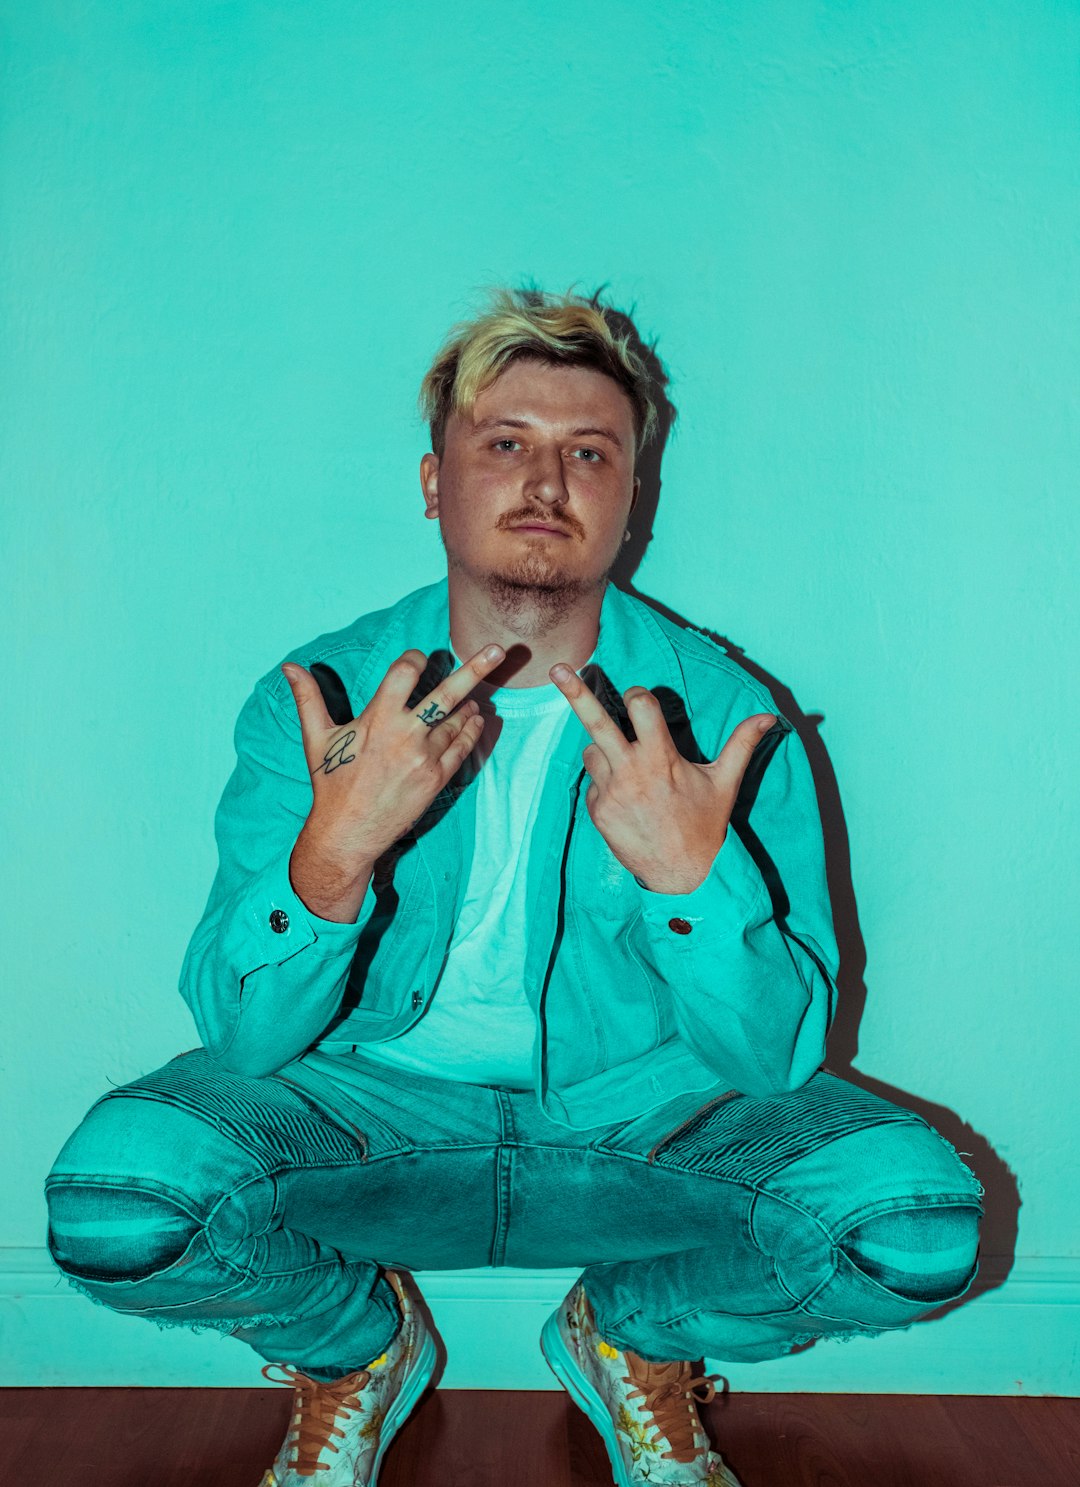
(655, 1373)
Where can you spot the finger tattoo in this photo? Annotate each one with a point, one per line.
(432, 715)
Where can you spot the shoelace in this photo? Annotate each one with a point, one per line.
(315, 1412)
(670, 1399)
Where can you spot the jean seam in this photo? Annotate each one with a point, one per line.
(158, 1190)
(797, 1306)
(175, 1306)
(236, 1137)
(182, 1201)
(915, 1301)
(114, 1287)
(875, 1210)
(691, 1171)
(232, 1196)
(869, 1210)
(797, 1301)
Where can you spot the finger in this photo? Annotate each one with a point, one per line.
(732, 761)
(401, 677)
(469, 731)
(650, 725)
(451, 729)
(441, 700)
(310, 707)
(599, 725)
(595, 761)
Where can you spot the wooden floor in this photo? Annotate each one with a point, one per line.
(466, 1438)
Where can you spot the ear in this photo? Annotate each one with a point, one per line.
(637, 492)
(429, 483)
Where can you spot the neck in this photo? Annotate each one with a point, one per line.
(536, 628)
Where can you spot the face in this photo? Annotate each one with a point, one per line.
(545, 444)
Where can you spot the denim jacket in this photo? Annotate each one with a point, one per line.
(644, 999)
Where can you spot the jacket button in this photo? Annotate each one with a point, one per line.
(680, 926)
(417, 998)
(279, 921)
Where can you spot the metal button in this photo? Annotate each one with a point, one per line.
(279, 921)
(417, 998)
(680, 926)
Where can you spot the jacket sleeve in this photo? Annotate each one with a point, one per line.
(263, 975)
(754, 977)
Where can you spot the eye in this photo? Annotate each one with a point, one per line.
(595, 452)
(499, 442)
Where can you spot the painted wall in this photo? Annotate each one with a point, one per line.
(233, 235)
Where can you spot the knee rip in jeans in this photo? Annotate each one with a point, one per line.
(101, 1235)
(107, 1233)
(922, 1253)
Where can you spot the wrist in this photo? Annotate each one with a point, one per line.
(325, 839)
(670, 882)
(330, 883)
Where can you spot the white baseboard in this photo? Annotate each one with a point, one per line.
(1019, 1338)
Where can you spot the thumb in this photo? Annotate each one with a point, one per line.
(734, 758)
(310, 707)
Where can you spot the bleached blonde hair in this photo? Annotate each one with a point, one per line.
(561, 329)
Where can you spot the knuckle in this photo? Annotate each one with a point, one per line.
(430, 714)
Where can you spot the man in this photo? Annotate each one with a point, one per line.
(519, 952)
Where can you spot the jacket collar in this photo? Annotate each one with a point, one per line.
(631, 650)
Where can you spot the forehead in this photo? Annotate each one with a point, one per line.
(556, 396)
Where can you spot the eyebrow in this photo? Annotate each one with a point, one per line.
(600, 430)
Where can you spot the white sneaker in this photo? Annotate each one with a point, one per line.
(646, 1412)
(339, 1432)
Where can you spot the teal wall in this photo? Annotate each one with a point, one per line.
(232, 237)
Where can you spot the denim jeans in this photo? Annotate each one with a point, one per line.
(265, 1207)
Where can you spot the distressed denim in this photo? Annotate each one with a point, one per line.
(264, 1207)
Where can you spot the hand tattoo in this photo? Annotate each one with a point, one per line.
(432, 715)
(334, 758)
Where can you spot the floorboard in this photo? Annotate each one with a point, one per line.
(478, 1438)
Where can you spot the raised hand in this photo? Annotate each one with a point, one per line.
(373, 777)
(664, 817)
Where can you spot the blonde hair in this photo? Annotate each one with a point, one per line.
(563, 329)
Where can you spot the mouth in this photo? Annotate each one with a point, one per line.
(537, 527)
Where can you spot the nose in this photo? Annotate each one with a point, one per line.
(546, 481)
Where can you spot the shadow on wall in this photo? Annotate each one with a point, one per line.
(1002, 1198)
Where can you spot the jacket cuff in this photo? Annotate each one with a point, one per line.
(281, 924)
(722, 904)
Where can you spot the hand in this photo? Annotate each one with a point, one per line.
(374, 777)
(664, 817)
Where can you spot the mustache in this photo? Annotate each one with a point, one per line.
(540, 518)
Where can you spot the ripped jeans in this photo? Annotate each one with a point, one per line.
(265, 1207)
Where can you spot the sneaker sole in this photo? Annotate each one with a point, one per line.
(565, 1368)
(404, 1400)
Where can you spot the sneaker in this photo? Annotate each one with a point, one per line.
(646, 1412)
(339, 1432)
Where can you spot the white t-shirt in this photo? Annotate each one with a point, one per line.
(479, 1026)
